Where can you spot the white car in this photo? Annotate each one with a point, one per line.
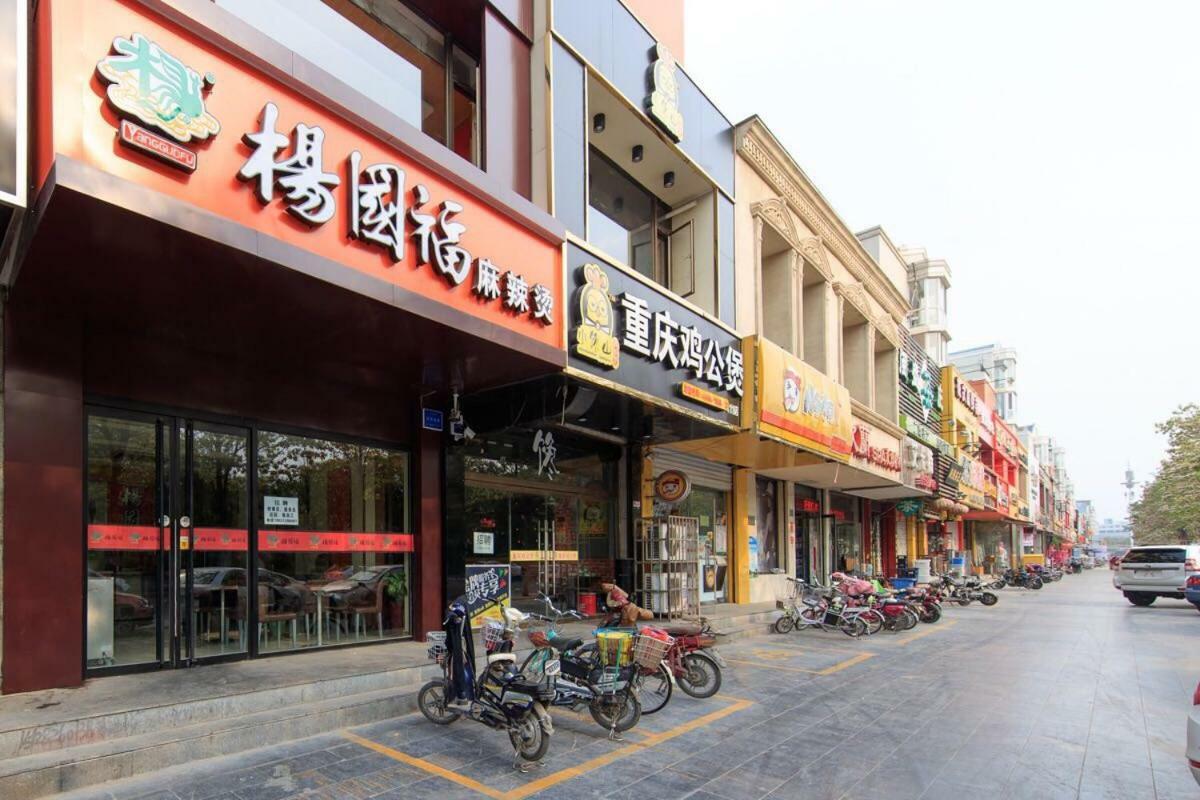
(1193, 751)
(1152, 571)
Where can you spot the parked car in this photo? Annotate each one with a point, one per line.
(358, 589)
(1193, 740)
(1152, 571)
(1191, 591)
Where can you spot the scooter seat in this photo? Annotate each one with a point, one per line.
(676, 628)
(567, 645)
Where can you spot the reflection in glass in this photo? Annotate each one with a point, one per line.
(333, 543)
(219, 539)
(123, 542)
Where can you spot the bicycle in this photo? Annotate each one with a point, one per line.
(816, 610)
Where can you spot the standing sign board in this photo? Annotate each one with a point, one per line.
(486, 582)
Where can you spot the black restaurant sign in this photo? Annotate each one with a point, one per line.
(635, 334)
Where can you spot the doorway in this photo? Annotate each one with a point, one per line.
(167, 530)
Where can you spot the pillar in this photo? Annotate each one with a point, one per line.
(429, 594)
(743, 525)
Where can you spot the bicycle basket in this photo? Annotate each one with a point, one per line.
(437, 652)
(615, 648)
(649, 650)
(493, 634)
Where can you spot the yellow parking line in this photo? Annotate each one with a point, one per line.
(761, 665)
(929, 631)
(599, 761)
(566, 774)
(838, 667)
(849, 662)
(427, 766)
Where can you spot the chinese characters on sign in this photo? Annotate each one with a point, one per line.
(547, 452)
(377, 213)
(863, 448)
(486, 583)
(652, 334)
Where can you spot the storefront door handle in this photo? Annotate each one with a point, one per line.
(165, 522)
(185, 522)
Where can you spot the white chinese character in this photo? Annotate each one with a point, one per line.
(438, 238)
(543, 304)
(302, 175)
(666, 337)
(691, 353)
(636, 334)
(516, 293)
(733, 370)
(543, 445)
(377, 205)
(487, 280)
(714, 363)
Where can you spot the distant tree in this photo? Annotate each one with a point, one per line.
(1168, 511)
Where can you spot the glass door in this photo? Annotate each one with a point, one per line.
(212, 538)
(167, 541)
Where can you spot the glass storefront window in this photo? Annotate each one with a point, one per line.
(554, 532)
(123, 596)
(332, 541)
(847, 533)
(709, 507)
(765, 545)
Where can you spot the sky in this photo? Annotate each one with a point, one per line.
(1046, 150)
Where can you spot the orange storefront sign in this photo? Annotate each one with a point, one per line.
(232, 140)
(798, 404)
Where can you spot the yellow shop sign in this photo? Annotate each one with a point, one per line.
(798, 404)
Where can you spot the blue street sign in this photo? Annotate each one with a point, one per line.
(433, 420)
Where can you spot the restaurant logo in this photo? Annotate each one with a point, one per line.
(148, 84)
(594, 339)
(663, 102)
(673, 486)
(792, 387)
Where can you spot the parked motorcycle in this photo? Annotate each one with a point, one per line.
(501, 698)
(924, 602)
(1023, 578)
(812, 606)
(692, 660)
(965, 591)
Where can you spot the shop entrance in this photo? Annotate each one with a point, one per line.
(167, 540)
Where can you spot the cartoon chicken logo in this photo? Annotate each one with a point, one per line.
(792, 388)
(594, 339)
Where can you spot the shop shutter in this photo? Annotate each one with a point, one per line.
(702, 471)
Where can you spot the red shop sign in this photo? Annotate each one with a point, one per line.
(326, 542)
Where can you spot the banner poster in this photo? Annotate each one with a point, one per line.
(486, 582)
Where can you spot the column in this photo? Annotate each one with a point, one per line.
(741, 527)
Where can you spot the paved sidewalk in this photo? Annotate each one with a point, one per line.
(1064, 693)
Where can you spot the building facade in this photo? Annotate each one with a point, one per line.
(233, 423)
(995, 364)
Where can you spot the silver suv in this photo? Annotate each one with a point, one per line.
(1153, 571)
